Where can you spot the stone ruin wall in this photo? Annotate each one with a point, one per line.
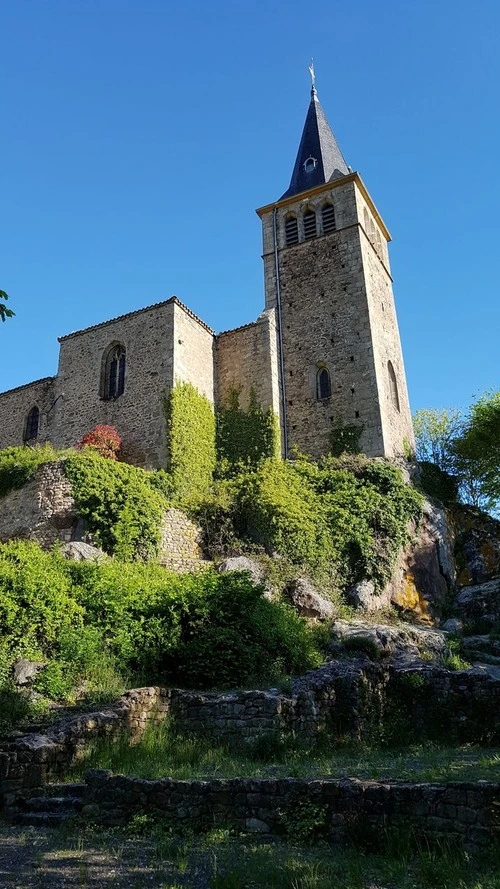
(463, 811)
(44, 511)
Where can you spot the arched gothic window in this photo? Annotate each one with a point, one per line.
(114, 372)
(328, 218)
(291, 231)
(393, 386)
(32, 425)
(309, 225)
(323, 384)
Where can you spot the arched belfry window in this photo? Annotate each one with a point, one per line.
(328, 218)
(393, 386)
(113, 381)
(32, 425)
(309, 225)
(291, 231)
(323, 384)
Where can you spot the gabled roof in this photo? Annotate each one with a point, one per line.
(318, 146)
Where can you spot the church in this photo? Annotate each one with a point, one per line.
(324, 352)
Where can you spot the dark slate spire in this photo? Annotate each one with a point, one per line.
(319, 158)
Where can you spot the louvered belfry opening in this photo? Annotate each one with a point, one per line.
(32, 424)
(291, 231)
(328, 217)
(309, 225)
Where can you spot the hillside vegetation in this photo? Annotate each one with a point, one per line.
(98, 627)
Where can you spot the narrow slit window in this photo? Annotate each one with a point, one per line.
(328, 218)
(309, 225)
(291, 231)
(393, 386)
(323, 385)
(32, 425)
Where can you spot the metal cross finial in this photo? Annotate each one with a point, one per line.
(313, 75)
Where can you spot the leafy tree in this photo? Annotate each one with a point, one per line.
(435, 434)
(103, 439)
(477, 451)
(4, 311)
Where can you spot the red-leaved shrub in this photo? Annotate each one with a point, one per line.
(104, 439)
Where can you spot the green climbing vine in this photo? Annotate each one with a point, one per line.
(191, 442)
(245, 437)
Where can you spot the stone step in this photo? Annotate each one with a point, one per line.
(39, 819)
(50, 804)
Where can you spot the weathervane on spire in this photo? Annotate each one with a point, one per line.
(313, 75)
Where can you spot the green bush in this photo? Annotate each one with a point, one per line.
(18, 465)
(122, 505)
(191, 442)
(344, 519)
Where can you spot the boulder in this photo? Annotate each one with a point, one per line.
(78, 551)
(25, 671)
(306, 600)
(363, 597)
(243, 563)
(453, 625)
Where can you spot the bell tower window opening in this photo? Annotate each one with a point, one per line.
(323, 385)
(291, 231)
(32, 425)
(309, 225)
(328, 218)
(310, 164)
(393, 386)
(114, 372)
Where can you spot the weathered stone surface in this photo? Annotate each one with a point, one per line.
(425, 571)
(477, 545)
(43, 510)
(25, 671)
(79, 551)
(306, 600)
(407, 641)
(479, 601)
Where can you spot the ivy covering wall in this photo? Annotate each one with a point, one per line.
(246, 436)
(191, 442)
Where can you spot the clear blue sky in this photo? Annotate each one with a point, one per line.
(138, 137)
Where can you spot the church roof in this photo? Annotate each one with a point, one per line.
(319, 158)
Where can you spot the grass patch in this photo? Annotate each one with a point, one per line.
(164, 752)
(149, 854)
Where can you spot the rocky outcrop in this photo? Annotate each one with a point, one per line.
(479, 602)
(425, 571)
(243, 563)
(408, 642)
(477, 545)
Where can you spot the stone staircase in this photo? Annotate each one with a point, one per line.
(47, 807)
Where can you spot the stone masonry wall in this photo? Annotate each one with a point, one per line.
(181, 539)
(137, 414)
(347, 809)
(193, 351)
(15, 406)
(331, 317)
(246, 359)
(42, 510)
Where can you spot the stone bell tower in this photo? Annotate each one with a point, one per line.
(327, 277)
